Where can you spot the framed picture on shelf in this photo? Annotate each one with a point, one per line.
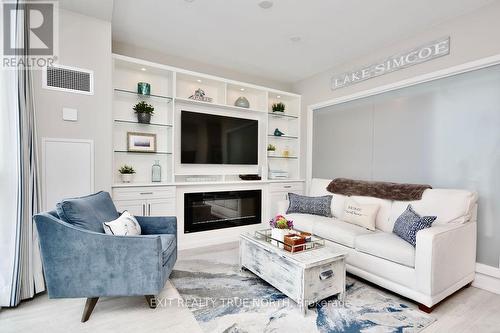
(141, 142)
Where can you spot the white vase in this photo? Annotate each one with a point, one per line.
(279, 234)
(127, 177)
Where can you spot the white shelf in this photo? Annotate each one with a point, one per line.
(224, 106)
(235, 182)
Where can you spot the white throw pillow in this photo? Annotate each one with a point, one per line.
(125, 225)
(363, 215)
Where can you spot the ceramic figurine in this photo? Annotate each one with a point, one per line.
(242, 102)
(199, 95)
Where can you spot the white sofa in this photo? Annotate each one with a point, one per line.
(442, 262)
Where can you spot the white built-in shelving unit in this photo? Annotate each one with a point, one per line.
(126, 75)
(170, 91)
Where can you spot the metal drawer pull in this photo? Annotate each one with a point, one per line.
(143, 193)
(287, 186)
(326, 275)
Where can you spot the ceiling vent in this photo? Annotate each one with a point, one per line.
(69, 79)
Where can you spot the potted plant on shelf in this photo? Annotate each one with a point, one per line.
(144, 112)
(271, 149)
(278, 107)
(127, 173)
(280, 227)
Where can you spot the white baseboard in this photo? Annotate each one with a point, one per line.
(487, 278)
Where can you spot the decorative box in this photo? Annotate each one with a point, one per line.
(293, 243)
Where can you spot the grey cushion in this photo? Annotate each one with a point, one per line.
(409, 223)
(88, 212)
(310, 205)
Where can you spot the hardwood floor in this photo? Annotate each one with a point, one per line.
(470, 310)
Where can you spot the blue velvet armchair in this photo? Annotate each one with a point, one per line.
(81, 261)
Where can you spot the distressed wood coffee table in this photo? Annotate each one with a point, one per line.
(306, 277)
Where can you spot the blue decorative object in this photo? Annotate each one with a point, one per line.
(310, 205)
(79, 262)
(143, 88)
(409, 223)
(277, 132)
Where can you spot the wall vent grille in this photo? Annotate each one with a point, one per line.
(69, 79)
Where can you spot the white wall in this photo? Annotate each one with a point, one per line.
(84, 42)
(161, 58)
(473, 36)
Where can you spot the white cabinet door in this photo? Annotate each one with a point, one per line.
(134, 207)
(161, 207)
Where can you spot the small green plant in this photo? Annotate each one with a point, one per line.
(278, 107)
(271, 147)
(126, 170)
(143, 107)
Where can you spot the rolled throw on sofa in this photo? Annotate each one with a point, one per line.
(382, 190)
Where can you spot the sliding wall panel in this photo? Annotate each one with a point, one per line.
(445, 133)
(342, 141)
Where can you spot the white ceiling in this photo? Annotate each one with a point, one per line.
(239, 35)
(101, 9)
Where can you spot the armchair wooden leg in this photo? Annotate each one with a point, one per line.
(151, 299)
(89, 307)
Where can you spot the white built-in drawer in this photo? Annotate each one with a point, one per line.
(140, 193)
(293, 187)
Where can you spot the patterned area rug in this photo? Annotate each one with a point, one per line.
(224, 299)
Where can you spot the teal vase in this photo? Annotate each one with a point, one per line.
(143, 88)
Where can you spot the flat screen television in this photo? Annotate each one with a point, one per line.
(213, 139)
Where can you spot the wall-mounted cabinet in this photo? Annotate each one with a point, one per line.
(173, 90)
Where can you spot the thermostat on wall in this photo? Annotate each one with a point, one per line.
(70, 114)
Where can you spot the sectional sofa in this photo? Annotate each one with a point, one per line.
(442, 262)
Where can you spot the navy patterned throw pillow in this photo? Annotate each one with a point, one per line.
(409, 223)
(309, 205)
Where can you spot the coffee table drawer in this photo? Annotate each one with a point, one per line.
(323, 281)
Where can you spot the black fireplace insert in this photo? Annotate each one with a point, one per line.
(217, 210)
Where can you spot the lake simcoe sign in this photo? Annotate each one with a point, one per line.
(429, 51)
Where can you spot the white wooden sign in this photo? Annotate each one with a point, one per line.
(429, 51)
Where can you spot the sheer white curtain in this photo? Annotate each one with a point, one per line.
(9, 183)
(20, 265)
